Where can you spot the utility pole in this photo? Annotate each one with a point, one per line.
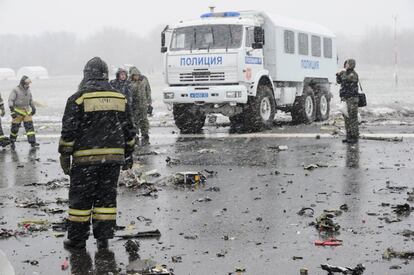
(395, 53)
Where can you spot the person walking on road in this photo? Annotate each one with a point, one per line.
(4, 141)
(142, 102)
(22, 109)
(97, 139)
(348, 79)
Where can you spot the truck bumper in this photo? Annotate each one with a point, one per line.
(232, 94)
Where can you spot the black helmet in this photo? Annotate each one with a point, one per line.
(96, 69)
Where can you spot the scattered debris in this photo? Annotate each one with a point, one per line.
(297, 258)
(314, 166)
(390, 139)
(207, 151)
(240, 269)
(344, 207)
(171, 161)
(410, 196)
(325, 223)
(27, 203)
(333, 211)
(391, 253)
(329, 242)
(402, 209)
(176, 259)
(205, 199)
(65, 264)
(188, 178)
(303, 271)
(210, 173)
(306, 211)
(358, 270)
(213, 189)
(141, 235)
(407, 233)
(32, 262)
(132, 247)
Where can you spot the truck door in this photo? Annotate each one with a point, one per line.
(253, 60)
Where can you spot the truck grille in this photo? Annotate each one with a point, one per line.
(202, 76)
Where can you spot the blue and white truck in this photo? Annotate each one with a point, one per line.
(247, 65)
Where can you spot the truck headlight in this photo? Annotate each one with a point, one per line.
(233, 94)
(169, 95)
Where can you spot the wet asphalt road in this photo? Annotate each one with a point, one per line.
(261, 190)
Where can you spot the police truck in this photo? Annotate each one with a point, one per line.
(247, 65)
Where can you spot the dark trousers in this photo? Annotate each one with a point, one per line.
(92, 197)
(28, 126)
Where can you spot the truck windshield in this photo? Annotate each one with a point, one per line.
(207, 37)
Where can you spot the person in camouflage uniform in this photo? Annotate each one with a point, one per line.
(142, 103)
(348, 79)
(4, 141)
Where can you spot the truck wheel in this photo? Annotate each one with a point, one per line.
(261, 110)
(304, 110)
(188, 121)
(323, 106)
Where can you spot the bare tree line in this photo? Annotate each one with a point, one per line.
(64, 53)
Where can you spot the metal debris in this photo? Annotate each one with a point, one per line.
(391, 253)
(358, 270)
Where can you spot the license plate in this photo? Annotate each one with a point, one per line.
(198, 95)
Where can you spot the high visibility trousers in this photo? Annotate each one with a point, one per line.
(92, 198)
(28, 126)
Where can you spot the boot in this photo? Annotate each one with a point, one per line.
(145, 139)
(102, 243)
(34, 144)
(12, 144)
(74, 244)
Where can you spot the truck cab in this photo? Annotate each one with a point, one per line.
(234, 63)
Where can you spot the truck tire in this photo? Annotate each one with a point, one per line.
(323, 106)
(188, 121)
(304, 110)
(260, 110)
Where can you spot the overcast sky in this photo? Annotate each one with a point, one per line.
(84, 17)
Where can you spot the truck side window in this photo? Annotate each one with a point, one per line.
(327, 47)
(303, 43)
(316, 46)
(289, 42)
(249, 37)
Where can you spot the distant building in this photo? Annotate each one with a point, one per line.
(34, 72)
(7, 74)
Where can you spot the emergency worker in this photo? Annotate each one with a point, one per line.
(142, 102)
(98, 137)
(22, 110)
(4, 141)
(348, 92)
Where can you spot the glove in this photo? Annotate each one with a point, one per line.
(65, 163)
(33, 111)
(12, 112)
(150, 109)
(129, 162)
